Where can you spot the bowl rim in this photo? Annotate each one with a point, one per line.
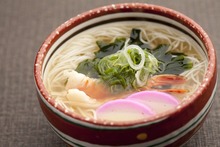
(122, 8)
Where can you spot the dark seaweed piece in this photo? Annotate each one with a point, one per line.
(170, 62)
(88, 67)
(135, 39)
(109, 48)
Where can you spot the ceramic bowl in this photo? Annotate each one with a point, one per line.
(170, 129)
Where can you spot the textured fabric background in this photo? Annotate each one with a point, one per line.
(24, 24)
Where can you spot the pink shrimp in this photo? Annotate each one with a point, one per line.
(156, 82)
(90, 86)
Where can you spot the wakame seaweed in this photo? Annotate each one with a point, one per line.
(135, 39)
(111, 66)
(170, 62)
(109, 48)
(88, 68)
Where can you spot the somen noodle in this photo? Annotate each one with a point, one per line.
(65, 84)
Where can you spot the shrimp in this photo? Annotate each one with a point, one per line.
(158, 81)
(94, 88)
(80, 97)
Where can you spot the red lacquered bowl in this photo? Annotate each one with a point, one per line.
(171, 128)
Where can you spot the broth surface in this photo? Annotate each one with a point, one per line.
(81, 94)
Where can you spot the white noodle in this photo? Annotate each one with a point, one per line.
(83, 46)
